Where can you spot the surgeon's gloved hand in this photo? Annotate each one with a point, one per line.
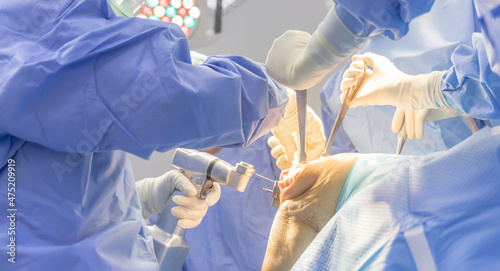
(414, 120)
(155, 192)
(287, 132)
(283, 56)
(386, 85)
(299, 60)
(278, 152)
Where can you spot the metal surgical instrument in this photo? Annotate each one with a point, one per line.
(346, 103)
(203, 170)
(402, 135)
(301, 96)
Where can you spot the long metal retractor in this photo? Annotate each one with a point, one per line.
(301, 96)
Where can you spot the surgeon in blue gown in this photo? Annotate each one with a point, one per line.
(234, 233)
(469, 85)
(300, 60)
(425, 213)
(81, 87)
(423, 49)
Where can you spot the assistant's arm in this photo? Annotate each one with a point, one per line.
(300, 60)
(86, 80)
(470, 84)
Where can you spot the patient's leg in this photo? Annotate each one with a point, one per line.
(307, 204)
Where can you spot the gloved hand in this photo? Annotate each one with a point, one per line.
(414, 120)
(278, 153)
(299, 60)
(282, 57)
(287, 132)
(386, 85)
(155, 192)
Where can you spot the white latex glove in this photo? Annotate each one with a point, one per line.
(289, 125)
(414, 120)
(386, 85)
(155, 192)
(300, 60)
(282, 57)
(198, 58)
(278, 153)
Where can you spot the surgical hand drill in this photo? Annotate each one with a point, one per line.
(202, 169)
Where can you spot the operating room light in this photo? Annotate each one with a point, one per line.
(176, 3)
(188, 3)
(177, 20)
(153, 3)
(164, 3)
(195, 12)
(159, 11)
(171, 11)
(189, 21)
(184, 13)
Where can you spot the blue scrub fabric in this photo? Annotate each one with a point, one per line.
(451, 195)
(427, 46)
(470, 84)
(233, 234)
(80, 87)
(389, 18)
(489, 18)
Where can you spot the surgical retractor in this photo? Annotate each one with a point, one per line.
(203, 170)
(301, 96)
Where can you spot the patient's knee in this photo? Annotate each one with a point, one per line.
(310, 192)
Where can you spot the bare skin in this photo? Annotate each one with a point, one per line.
(306, 206)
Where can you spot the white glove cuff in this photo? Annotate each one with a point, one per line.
(425, 92)
(145, 190)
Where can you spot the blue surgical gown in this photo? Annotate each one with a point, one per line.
(80, 87)
(233, 234)
(489, 18)
(390, 18)
(427, 46)
(470, 84)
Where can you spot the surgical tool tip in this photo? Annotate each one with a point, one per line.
(265, 178)
(267, 190)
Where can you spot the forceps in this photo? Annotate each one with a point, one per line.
(346, 103)
(402, 135)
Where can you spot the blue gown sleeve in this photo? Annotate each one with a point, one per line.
(387, 17)
(83, 80)
(489, 20)
(470, 85)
